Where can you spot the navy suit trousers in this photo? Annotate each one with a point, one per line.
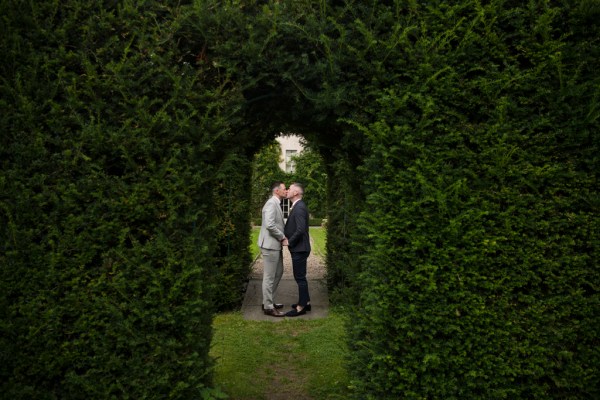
(299, 266)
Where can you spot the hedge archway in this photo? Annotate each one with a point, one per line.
(462, 148)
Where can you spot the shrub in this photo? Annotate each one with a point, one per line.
(105, 198)
(481, 228)
(232, 212)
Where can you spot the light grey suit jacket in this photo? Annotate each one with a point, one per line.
(271, 230)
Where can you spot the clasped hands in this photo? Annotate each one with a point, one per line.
(284, 241)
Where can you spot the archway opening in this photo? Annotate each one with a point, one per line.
(243, 188)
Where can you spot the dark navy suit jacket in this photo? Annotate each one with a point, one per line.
(296, 228)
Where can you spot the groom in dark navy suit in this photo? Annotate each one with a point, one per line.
(296, 231)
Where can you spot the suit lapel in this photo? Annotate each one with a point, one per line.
(295, 206)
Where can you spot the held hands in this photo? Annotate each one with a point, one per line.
(284, 242)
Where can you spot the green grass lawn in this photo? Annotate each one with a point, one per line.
(254, 250)
(296, 358)
(317, 234)
(319, 238)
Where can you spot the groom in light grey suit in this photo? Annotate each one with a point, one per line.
(271, 241)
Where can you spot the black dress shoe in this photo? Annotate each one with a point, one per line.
(277, 306)
(306, 308)
(294, 312)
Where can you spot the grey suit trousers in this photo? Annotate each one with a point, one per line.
(273, 271)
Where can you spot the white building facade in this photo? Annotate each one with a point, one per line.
(290, 146)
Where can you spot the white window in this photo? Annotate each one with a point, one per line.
(285, 207)
(289, 162)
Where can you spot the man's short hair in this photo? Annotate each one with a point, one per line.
(275, 185)
(299, 186)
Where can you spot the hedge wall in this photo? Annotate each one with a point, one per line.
(106, 195)
(232, 261)
(480, 276)
(343, 238)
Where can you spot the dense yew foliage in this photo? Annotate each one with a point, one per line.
(107, 150)
(461, 145)
(481, 225)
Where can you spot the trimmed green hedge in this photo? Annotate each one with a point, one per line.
(480, 278)
(232, 261)
(105, 203)
(344, 247)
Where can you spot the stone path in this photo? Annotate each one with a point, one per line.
(287, 292)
